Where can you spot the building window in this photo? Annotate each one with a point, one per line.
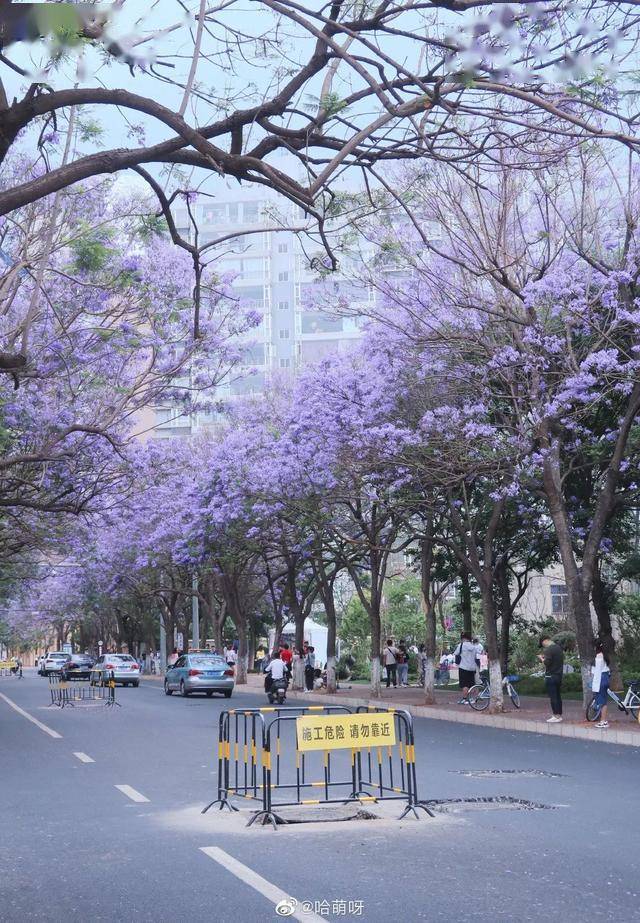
(283, 305)
(284, 334)
(559, 599)
(283, 248)
(283, 277)
(285, 363)
(250, 212)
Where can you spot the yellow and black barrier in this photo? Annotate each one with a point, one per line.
(8, 667)
(281, 755)
(68, 692)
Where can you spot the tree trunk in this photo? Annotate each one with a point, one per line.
(429, 608)
(504, 595)
(493, 651)
(376, 675)
(465, 601)
(601, 603)
(578, 598)
(326, 593)
(241, 665)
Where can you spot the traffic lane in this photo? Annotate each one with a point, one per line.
(160, 743)
(73, 844)
(507, 866)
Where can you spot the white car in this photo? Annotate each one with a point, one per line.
(124, 668)
(53, 662)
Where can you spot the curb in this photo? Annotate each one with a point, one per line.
(504, 723)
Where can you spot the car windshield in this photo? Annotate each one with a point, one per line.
(127, 658)
(80, 658)
(207, 661)
(57, 656)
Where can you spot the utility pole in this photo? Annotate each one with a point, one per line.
(163, 645)
(195, 614)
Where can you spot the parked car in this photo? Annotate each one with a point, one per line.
(206, 673)
(125, 670)
(78, 666)
(54, 662)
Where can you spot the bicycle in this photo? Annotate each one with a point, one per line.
(629, 704)
(479, 695)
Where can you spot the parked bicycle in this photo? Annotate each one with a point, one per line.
(480, 695)
(630, 704)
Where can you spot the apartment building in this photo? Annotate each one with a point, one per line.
(272, 275)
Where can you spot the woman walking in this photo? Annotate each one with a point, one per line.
(600, 684)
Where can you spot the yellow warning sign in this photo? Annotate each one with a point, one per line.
(333, 732)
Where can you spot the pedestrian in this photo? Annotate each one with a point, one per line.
(260, 657)
(19, 666)
(600, 684)
(232, 657)
(552, 657)
(173, 657)
(309, 667)
(286, 655)
(390, 652)
(402, 664)
(465, 657)
(443, 669)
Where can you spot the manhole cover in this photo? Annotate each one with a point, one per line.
(497, 803)
(321, 814)
(491, 773)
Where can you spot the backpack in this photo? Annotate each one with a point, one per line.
(458, 656)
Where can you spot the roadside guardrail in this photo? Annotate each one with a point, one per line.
(277, 755)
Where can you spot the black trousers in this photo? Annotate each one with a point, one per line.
(553, 685)
(392, 674)
(309, 675)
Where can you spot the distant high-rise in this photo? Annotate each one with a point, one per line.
(272, 276)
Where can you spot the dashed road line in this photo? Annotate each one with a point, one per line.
(25, 714)
(131, 793)
(83, 757)
(261, 885)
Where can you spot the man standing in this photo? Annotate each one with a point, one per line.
(552, 657)
(309, 667)
(465, 658)
(390, 653)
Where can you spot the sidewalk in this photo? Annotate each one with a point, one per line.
(530, 717)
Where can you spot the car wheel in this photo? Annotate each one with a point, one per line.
(227, 693)
(135, 685)
(183, 691)
(167, 691)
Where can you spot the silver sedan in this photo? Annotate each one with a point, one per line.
(124, 668)
(199, 673)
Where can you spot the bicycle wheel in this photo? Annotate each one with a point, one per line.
(513, 695)
(593, 710)
(634, 706)
(479, 697)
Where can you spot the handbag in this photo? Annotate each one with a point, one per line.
(458, 657)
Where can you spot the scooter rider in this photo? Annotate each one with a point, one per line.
(276, 669)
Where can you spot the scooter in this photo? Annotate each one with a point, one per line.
(278, 692)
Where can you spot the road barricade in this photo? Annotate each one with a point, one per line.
(8, 667)
(282, 756)
(69, 692)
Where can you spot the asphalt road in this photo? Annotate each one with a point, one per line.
(73, 845)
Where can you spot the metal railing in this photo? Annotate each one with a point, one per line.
(259, 759)
(69, 692)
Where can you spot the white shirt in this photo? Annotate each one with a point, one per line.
(468, 659)
(600, 668)
(390, 655)
(276, 668)
(232, 657)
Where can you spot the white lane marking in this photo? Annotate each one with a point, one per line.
(84, 758)
(25, 714)
(257, 882)
(131, 793)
